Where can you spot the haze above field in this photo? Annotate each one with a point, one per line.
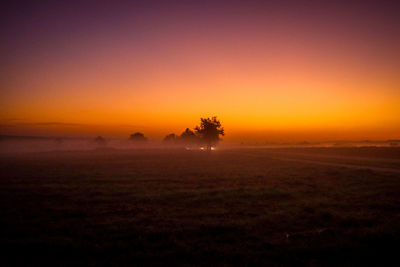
(279, 71)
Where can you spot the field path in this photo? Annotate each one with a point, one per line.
(346, 165)
(325, 160)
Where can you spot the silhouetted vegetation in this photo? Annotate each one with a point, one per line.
(206, 134)
(188, 134)
(100, 141)
(170, 139)
(138, 137)
(188, 137)
(209, 131)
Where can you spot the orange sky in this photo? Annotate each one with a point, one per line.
(281, 75)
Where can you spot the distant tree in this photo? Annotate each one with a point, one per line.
(100, 141)
(170, 138)
(209, 131)
(188, 133)
(188, 137)
(137, 137)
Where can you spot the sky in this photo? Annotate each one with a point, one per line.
(269, 70)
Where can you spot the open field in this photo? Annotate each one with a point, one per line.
(310, 206)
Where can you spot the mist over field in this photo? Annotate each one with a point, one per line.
(16, 144)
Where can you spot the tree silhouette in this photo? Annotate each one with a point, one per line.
(100, 141)
(187, 133)
(170, 138)
(209, 131)
(137, 137)
(188, 137)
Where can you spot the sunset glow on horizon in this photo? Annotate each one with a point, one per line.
(269, 70)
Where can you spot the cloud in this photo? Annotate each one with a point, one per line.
(39, 124)
(14, 119)
(53, 123)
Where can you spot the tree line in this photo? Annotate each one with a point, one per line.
(206, 134)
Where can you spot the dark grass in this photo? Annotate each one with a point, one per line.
(177, 207)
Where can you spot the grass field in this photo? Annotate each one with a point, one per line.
(311, 206)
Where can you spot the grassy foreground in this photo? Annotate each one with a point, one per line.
(229, 207)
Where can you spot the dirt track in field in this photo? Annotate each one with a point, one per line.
(352, 162)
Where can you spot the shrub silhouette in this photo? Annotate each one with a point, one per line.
(138, 137)
(100, 141)
(170, 138)
(209, 131)
(188, 137)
